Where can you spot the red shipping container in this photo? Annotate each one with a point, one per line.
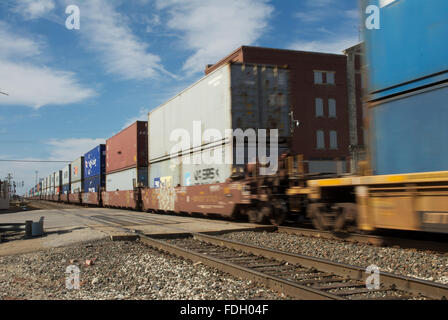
(128, 149)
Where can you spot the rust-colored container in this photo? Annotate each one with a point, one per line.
(128, 149)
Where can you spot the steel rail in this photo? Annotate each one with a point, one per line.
(415, 286)
(382, 241)
(280, 285)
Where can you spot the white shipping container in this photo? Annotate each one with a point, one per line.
(126, 179)
(235, 96)
(190, 174)
(57, 178)
(76, 187)
(77, 170)
(66, 175)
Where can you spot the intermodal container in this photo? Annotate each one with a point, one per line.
(164, 173)
(409, 50)
(77, 170)
(66, 178)
(52, 183)
(58, 182)
(94, 184)
(66, 189)
(127, 179)
(234, 96)
(409, 133)
(408, 73)
(76, 187)
(128, 149)
(95, 162)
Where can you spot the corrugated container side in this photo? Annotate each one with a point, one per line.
(236, 96)
(207, 101)
(128, 149)
(409, 49)
(77, 170)
(95, 162)
(191, 174)
(409, 133)
(66, 175)
(94, 184)
(58, 179)
(76, 187)
(126, 179)
(66, 189)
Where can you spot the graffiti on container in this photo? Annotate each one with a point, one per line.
(205, 175)
(167, 196)
(188, 179)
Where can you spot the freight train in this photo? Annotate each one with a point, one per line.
(402, 185)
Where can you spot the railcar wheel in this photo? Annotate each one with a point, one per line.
(279, 213)
(252, 215)
(316, 215)
(347, 215)
(264, 214)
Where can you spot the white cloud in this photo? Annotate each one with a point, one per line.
(71, 149)
(108, 33)
(29, 83)
(14, 47)
(36, 87)
(32, 9)
(325, 45)
(215, 27)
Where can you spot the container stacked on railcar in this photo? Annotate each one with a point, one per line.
(94, 175)
(126, 165)
(235, 96)
(76, 176)
(95, 169)
(126, 158)
(58, 182)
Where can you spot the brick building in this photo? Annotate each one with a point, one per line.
(319, 97)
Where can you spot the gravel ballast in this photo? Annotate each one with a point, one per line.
(120, 270)
(406, 262)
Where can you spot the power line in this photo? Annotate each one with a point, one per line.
(4, 93)
(37, 161)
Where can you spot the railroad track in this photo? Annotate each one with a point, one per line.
(377, 240)
(297, 276)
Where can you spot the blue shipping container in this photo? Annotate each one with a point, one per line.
(410, 50)
(94, 184)
(66, 189)
(409, 133)
(95, 162)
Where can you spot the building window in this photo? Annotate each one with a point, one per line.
(332, 108)
(328, 79)
(333, 140)
(318, 79)
(320, 139)
(319, 107)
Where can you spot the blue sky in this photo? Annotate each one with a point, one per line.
(69, 90)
